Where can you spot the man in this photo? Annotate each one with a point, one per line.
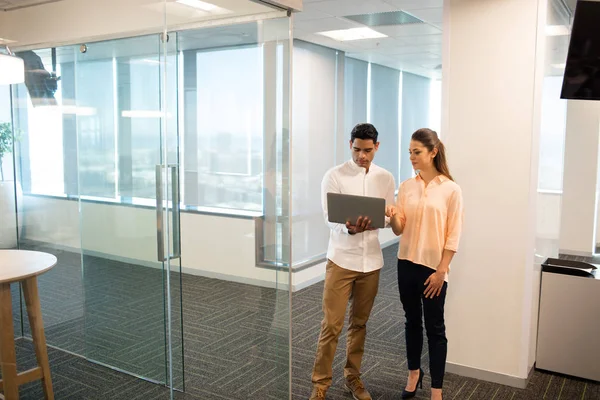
(353, 266)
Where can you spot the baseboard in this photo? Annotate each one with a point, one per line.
(308, 283)
(98, 254)
(489, 376)
(576, 253)
(234, 278)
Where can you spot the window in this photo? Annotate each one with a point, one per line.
(385, 103)
(224, 128)
(416, 114)
(96, 129)
(552, 135)
(41, 128)
(103, 140)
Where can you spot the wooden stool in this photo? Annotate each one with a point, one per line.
(24, 267)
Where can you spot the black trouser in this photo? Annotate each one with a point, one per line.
(411, 283)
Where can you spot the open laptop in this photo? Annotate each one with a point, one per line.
(347, 207)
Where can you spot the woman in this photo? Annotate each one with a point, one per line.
(428, 215)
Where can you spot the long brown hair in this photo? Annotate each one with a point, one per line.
(430, 140)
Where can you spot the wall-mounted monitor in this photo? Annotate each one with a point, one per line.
(582, 70)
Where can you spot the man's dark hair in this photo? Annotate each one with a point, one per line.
(364, 131)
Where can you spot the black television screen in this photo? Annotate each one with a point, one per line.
(582, 70)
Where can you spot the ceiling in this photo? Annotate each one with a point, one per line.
(14, 4)
(415, 47)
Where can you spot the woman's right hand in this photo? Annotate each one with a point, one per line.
(390, 211)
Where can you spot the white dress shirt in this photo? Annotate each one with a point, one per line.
(360, 252)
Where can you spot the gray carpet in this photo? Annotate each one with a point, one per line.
(235, 340)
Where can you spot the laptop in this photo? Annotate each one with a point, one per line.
(347, 207)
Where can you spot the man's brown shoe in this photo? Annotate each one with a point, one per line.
(318, 394)
(355, 386)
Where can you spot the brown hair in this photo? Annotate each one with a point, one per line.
(430, 140)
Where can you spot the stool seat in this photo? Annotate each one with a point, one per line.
(20, 266)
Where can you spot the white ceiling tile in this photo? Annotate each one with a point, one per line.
(342, 8)
(408, 30)
(380, 43)
(430, 15)
(327, 42)
(374, 58)
(415, 4)
(358, 56)
(325, 24)
(299, 33)
(419, 58)
(424, 39)
(431, 66)
(409, 49)
(309, 14)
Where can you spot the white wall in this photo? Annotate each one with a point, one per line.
(491, 126)
(580, 178)
(548, 215)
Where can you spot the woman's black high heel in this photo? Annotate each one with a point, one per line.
(409, 395)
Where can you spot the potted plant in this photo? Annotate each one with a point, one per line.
(9, 189)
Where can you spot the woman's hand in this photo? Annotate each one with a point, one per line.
(390, 211)
(434, 284)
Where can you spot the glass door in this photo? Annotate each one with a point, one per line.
(233, 84)
(128, 181)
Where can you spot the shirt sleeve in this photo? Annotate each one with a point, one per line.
(400, 206)
(330, 185)
(390, 197)
(455, 221)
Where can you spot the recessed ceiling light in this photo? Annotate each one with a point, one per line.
(201, 5)
(345, 35)
(557, 30)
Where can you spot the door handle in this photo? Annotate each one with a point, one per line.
(175, 209)
(160, 231)
(175, 212)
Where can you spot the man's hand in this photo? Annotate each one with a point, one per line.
(362, 224)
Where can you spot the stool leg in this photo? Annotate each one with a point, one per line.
(34, 311)
(8, 358)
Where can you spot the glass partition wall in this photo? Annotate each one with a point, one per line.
(155, 166)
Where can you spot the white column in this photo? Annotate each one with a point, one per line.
(577, 236)
(492, 75)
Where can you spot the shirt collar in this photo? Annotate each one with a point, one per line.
(357, 168)
(438, 179)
